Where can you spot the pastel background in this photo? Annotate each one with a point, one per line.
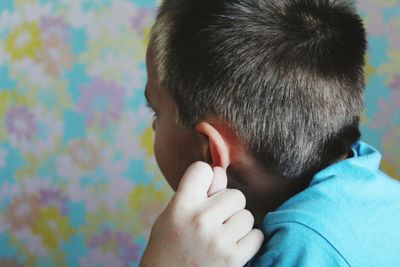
(78, 181)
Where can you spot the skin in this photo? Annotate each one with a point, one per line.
(222, 191)
(176, 148)
(199, 229)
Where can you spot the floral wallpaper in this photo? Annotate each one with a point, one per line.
(79, 185)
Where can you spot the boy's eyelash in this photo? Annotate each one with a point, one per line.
(151, 108)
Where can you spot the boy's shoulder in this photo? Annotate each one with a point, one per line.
(349, 215)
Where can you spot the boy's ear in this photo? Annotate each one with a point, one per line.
(218, 148)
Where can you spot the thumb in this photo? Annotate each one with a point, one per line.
(219, 182)
(195, 182)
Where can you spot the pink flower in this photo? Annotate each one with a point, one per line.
(53, 198)
(120, 241)
(395, 84)
(54, 26)
(389, 110)
(20, 124)
(98, 258)
(141, 19)
(101, 102)
(32, 129)
(55, 56)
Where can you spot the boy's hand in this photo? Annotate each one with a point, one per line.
(201, 230)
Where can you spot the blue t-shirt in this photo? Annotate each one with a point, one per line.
(349, 215)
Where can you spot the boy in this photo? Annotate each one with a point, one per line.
(267, 95)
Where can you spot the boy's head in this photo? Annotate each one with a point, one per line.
(285, 75)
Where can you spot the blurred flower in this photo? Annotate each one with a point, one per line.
(55, 56)
(50, 197)
(82, 157)
(116, 193)
(9, 190)
(9, 98)
(31, 74)
(388, 112)
(98, 258)
(33, 243)
(52, 227)
(395, 84)
(126, 136)
(101, 102)
(10, 263)
(4, 57)
(3, 157)
(24, 41)
(101, 24)
(142, 195)
(21, 125)
(117, 242)
(141, 19)
(54, 27)
(23, 212)
(111, 195)
(85, 154)
(32, 130)
(147, 142)
(117, 67)
(33, 184)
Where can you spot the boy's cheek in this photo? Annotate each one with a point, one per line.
(173, 159)
(175, 149)
(168, 165)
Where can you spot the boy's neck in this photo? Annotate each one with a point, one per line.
(264, 192)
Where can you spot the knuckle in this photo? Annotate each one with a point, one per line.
(218, 245)
(180, 207)
(175, 208)
(201, 223)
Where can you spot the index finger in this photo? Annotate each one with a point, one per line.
(195, 181)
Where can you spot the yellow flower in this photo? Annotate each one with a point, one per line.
(52, 227)
(369, 69)
(147, 141)
(19, 4)
(146, 32)
(142, 195)
(24, 41)
(9, 98)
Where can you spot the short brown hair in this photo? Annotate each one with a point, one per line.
(287, 75)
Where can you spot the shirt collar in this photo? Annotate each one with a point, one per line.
(364, 156)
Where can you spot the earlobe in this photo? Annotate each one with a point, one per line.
(217, 144)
